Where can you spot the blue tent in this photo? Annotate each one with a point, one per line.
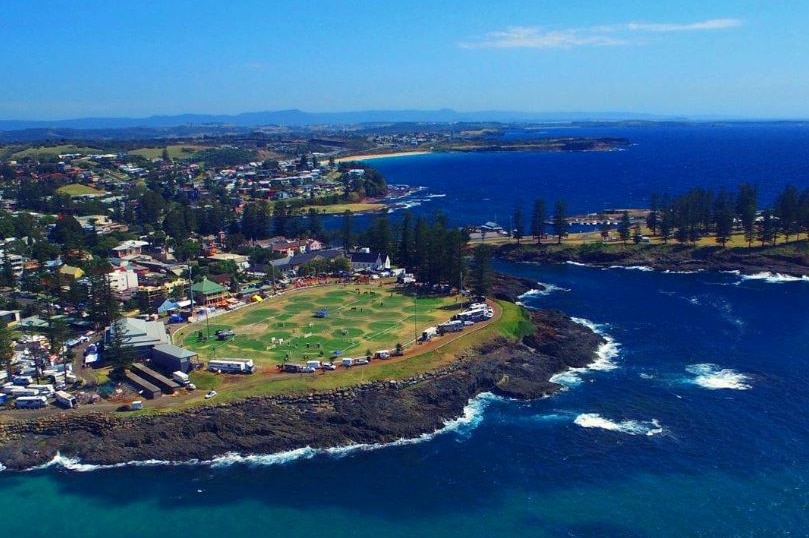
(167, 306)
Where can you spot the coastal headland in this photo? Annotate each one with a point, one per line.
(789, 259)
(370, 413)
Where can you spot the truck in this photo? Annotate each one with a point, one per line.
(428, 333)
(231, 366)
(225, 335)
(348, 362)
(65, 399)
(180, 377)
(30, 402)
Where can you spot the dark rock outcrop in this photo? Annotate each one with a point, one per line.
(791, 261)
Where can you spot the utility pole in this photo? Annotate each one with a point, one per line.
(190, 291)
(415, 322)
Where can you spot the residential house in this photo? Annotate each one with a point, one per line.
(129, 249)
(241, 261)
(68, 273)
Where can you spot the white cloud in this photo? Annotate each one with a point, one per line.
(611, 35)
(712, 24)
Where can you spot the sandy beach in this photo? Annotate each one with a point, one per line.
(380, 156)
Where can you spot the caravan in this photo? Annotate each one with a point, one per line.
(31, 402)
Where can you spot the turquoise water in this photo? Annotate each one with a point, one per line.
(692, 423)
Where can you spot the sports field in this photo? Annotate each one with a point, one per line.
(360, 318)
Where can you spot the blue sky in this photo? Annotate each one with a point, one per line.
(74, 58)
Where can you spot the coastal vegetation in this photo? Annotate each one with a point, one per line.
(487, 142)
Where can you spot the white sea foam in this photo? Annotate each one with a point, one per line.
(630, 427)
(605, 355)
(714, 377)
(471, 418)
(547, 290)
(578, 264)
(775, 278)
(607, 351)
(643, 268)
(279, 458)
(569, 378)
(670, 272)
(74, 464)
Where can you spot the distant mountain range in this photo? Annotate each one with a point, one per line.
(299, 118)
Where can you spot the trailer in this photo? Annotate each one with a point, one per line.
(30, 402)
(317, 365)
(65, 399)
(22, 380)
(292, 367)
(45, 390)
(231, 366)
(180, 377)
(17, 392)
(382, 354)
(451, 327)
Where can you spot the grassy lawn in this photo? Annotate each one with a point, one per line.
(40, 151)
(77, 189)
(342, 208)
(176, 151)
(513, 323)
(360, 318)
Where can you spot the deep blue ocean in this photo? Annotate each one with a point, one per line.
(693, 421)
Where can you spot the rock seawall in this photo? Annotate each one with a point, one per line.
(377, 412)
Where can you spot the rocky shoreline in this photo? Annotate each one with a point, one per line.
(376, 412)
(793, 261)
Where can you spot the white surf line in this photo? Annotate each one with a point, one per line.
(470, 418)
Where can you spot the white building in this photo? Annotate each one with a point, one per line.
(122, 280)
(129, 249)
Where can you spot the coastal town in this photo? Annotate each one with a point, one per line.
(115, 266)
(176, 271)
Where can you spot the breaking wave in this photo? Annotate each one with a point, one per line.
(775, 278)
(630, 427)
(712, 376)
(471, 418)
(547, 290)
(605, 355)
(643, 268)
